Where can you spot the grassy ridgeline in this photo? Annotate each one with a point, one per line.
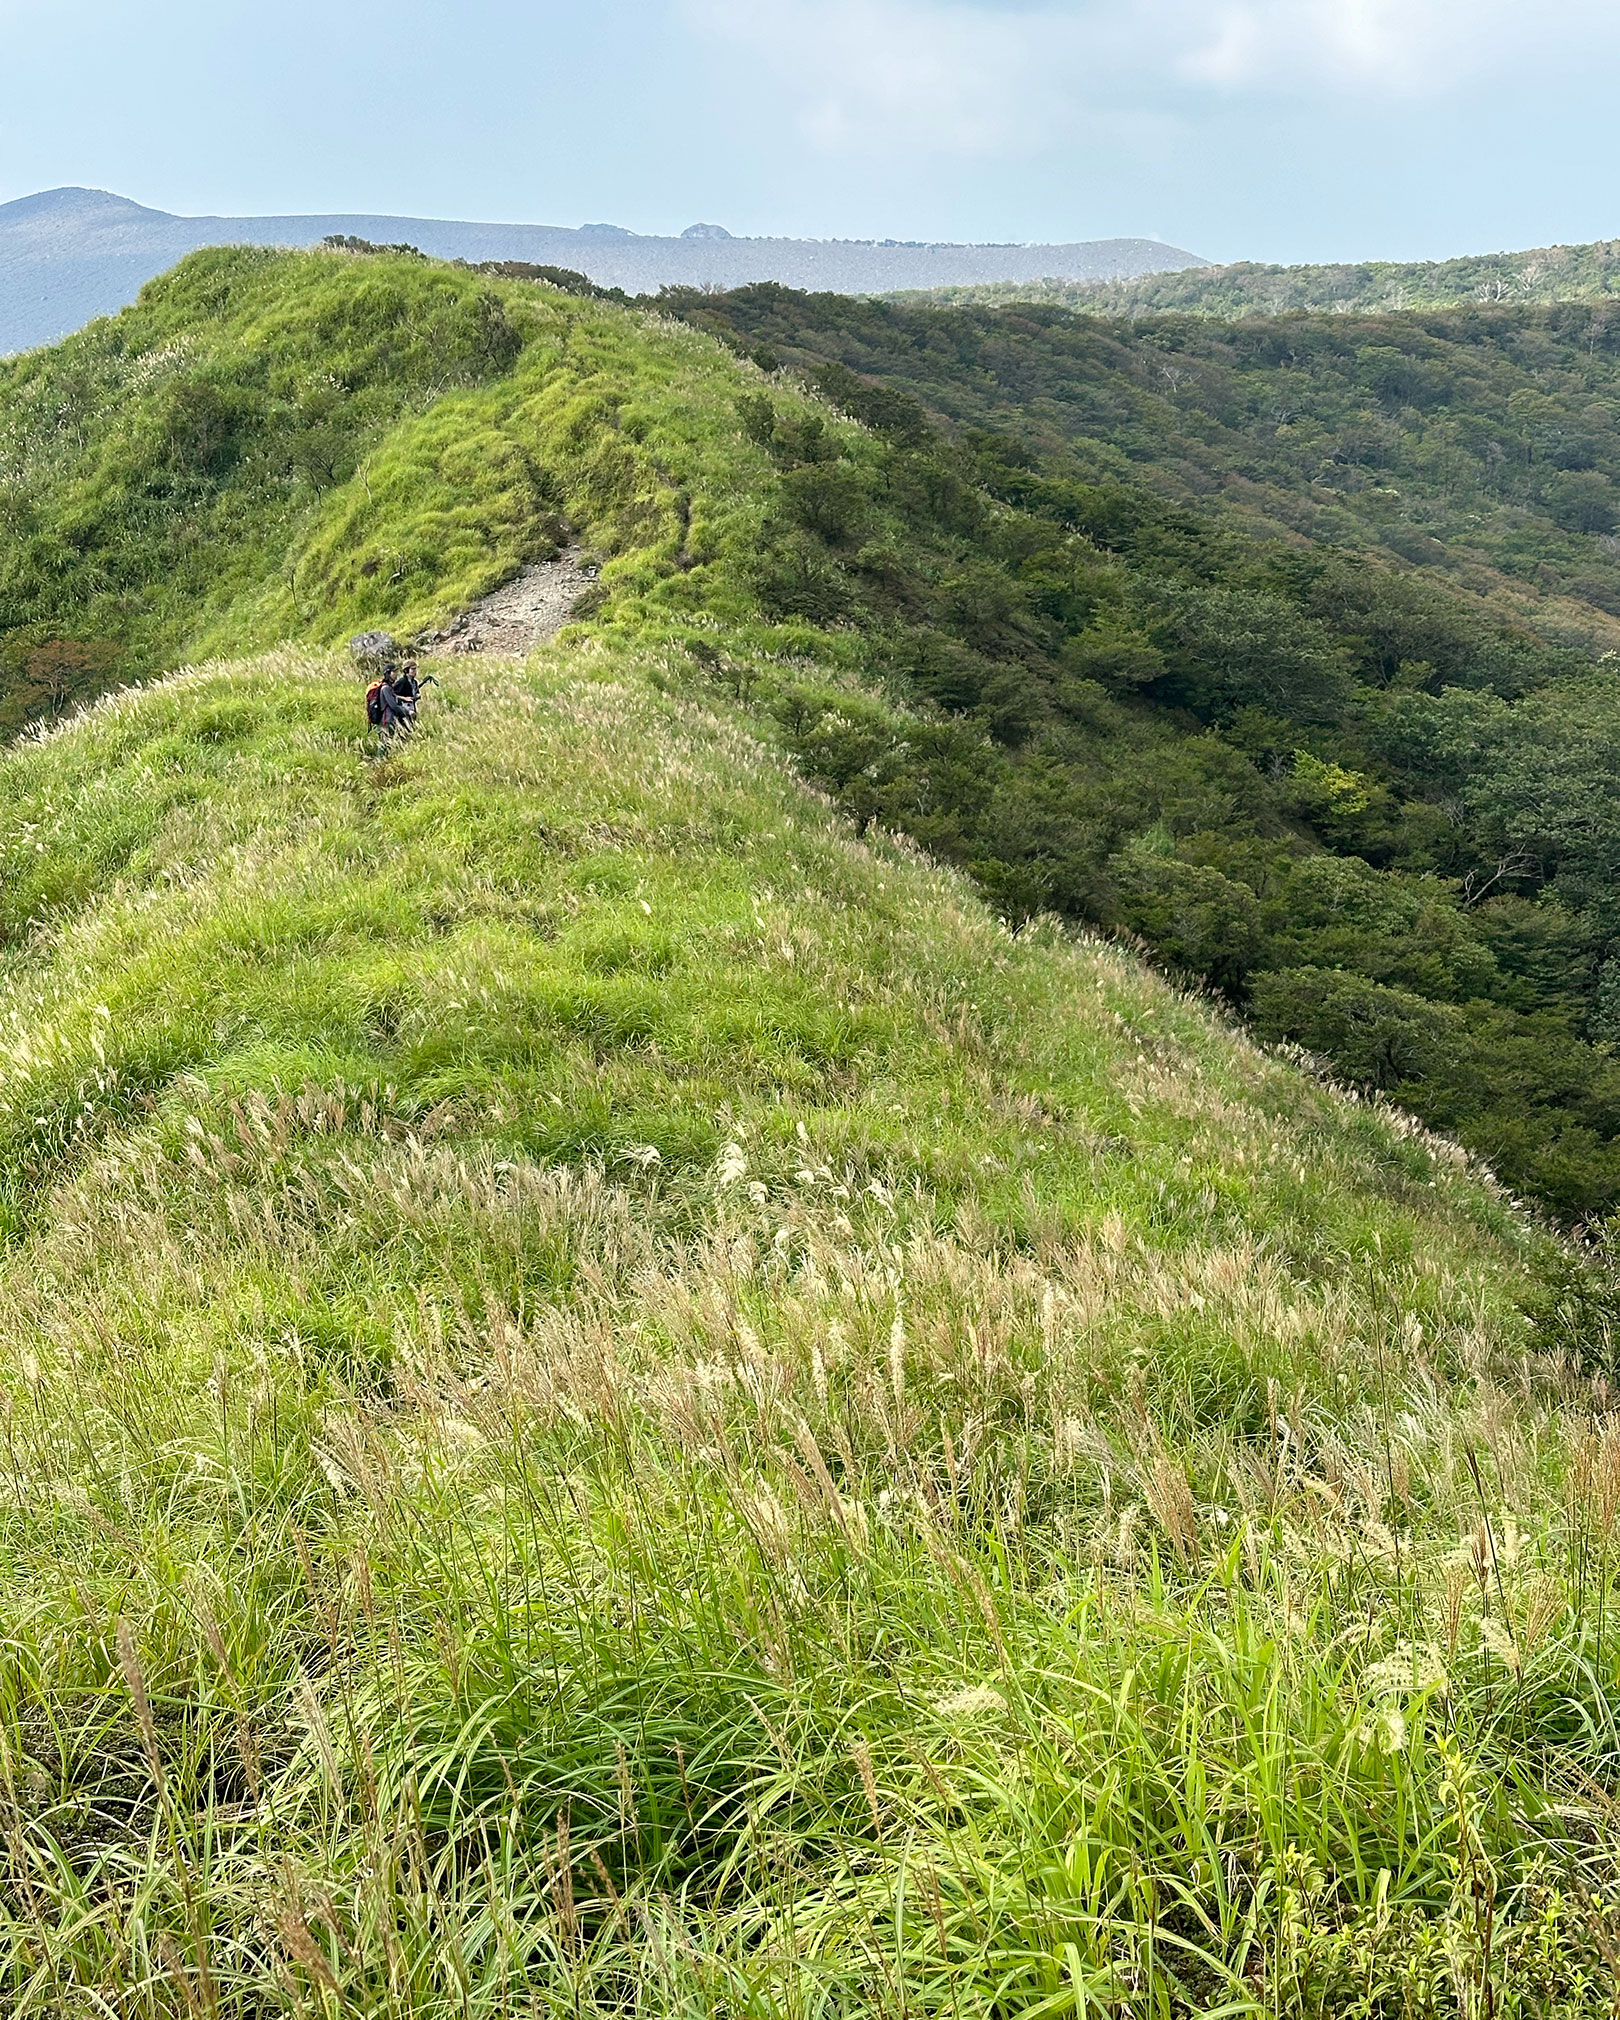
(616, 1401)
(1319, 785)
(278, 444)
(614, 1397)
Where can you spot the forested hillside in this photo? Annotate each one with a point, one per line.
(1373, 801)
(1481, 444)
(1558, 273)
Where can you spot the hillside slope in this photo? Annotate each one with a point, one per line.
(1479, 444)
(1249, 598)
(618, 1400)
(274, 445)
(1363, 802)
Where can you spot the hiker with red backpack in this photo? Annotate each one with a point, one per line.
(391, 699)
(383, 710)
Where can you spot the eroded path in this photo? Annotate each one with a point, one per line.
(522, 613)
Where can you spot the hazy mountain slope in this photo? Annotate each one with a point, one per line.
(1546, 274)
(68, 255)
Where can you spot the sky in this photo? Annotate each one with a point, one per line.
(1240, 129)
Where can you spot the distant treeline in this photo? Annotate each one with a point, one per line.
(1546, 274)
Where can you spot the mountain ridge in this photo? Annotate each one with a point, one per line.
(1536, 275)
(68, 255)
(611, 1385)
(1000, 651)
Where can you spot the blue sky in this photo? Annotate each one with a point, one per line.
(1271, 129)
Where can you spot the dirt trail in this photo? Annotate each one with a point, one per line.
(522, 613)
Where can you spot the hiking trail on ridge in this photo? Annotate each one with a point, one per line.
(522, 613)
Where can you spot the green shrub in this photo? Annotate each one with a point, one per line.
(1375, 1036)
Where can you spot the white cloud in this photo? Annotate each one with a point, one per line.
(1401, 47)
(973, 77)
(890, 74)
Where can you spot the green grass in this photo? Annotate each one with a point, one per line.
(274, 444)
(618, 1401)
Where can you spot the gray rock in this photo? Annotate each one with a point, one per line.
(373, 650)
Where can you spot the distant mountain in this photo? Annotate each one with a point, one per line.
(68, 255)
(1543, 275)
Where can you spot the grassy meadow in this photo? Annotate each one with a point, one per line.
(617, 1401)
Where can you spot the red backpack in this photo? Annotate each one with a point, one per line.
(374, 714)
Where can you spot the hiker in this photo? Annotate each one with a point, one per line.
(408, 686)
(408, 692)
(383, 711)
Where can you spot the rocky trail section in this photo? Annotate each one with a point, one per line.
(522, 613)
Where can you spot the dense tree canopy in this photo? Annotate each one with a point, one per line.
(1365, 798)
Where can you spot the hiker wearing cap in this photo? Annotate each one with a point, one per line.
(408, 685)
